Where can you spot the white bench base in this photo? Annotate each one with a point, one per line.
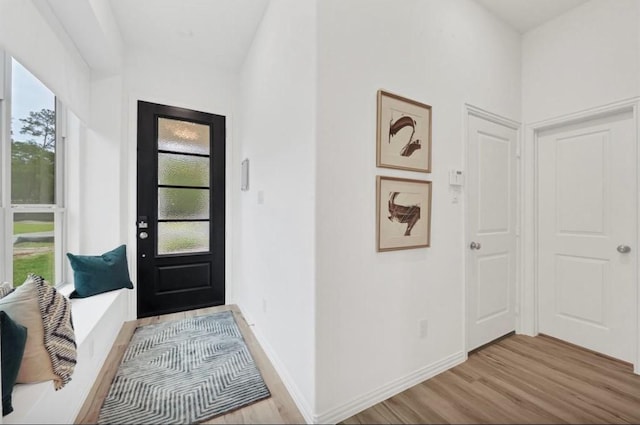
(97, 321)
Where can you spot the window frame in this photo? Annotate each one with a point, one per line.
(7, 209)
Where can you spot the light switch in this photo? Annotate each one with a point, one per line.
(456, 177)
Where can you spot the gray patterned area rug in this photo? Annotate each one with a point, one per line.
(183, 371)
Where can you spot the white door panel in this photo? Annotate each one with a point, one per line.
(494, 197)
(491, 224)
(493, 294)
(586, 208)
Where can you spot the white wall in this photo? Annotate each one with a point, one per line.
(30, 35)
(101, 170)
(587, 57)
(274, 241)
(190, 84)
(94, 30)
(73, 186)
(443, 53)
(166, 80)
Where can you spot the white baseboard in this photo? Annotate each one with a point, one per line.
(358, 404)
(300, 401)
(382, 393)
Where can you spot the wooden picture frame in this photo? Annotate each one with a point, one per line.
(403, 133)
(403, 213)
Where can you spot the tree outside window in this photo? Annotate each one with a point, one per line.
(33, 176)
(33, 159)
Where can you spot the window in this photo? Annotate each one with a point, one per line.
(32, 180)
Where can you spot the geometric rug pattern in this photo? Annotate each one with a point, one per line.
(183, 371)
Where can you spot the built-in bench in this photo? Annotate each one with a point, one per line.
(97, 321)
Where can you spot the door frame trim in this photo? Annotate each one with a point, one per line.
(471, 110)
(528, 319)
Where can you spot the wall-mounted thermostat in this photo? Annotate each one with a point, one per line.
(456, 177)
(245, 175)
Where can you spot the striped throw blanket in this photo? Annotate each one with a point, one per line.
(59, 337)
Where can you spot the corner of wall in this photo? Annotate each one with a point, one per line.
(292, 387)
(274, 221)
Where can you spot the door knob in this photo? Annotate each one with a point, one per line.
(475, 245)
(144, 235)
(623, 249)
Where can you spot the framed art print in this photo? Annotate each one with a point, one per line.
(403, 133)
(403, 213)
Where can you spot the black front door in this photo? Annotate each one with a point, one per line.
(181, 206)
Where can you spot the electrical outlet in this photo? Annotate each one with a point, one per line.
(423, 328)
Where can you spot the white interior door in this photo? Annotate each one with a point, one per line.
(491, 221)
(586, 228)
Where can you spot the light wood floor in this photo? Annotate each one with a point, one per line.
(279, 408)
(519, 380)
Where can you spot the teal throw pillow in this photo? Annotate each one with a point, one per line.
(13, 340)
(94, 275)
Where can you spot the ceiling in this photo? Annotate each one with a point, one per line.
(220, 32)
(525, 15)
(216, 32)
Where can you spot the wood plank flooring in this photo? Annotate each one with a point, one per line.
(519, 380)
(279, 408)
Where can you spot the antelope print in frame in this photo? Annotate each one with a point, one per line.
(403, 213)
(403, 133)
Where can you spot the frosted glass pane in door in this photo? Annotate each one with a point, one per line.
(183, 170)
(183, 204)
(183, 136)
(183, 237)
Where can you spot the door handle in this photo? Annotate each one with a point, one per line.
(624, 249)
(475, 245)
(143, 235)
